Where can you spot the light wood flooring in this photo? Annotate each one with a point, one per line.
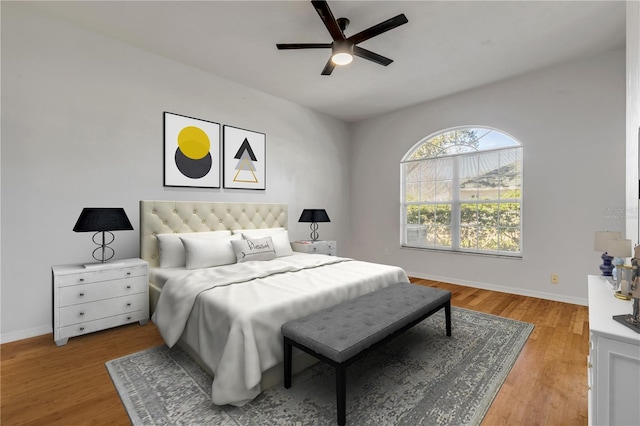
(41, 384)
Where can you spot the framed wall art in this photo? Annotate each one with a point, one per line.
(191, 152)
(245, 157)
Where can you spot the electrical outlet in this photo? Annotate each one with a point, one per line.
(555, 279)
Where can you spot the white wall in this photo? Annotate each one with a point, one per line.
(82, 126)
(571, 121)
(633, 119)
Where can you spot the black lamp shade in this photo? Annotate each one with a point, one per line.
(314, 215)
(95, 219)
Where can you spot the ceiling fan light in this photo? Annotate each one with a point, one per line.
(342, 58)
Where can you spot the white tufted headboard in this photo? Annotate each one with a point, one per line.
(162, 217)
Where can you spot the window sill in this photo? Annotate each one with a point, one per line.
(468, 253)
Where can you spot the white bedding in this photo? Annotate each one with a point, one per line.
(231, 315)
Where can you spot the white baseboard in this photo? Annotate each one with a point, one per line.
(503, 289)
(25, 334)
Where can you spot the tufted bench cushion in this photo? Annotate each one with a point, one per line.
(344, 330)
(341, 334)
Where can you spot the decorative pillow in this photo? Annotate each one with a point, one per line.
(280, 241)
(208, 252)
(172, 251)
(256, 249)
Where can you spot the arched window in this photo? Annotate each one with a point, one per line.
(462, 191)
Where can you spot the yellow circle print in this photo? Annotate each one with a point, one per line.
(193, 142)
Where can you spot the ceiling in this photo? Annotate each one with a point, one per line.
(447, 46)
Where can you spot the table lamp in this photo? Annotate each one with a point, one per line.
(600, 244)
(314, 216)
(620, 250)
(103, 220)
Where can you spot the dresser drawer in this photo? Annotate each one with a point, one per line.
(104, 308)
(72, 295)
(91, 326)
(92, 276)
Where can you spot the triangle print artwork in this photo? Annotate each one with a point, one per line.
(244, 158)
(245, 168)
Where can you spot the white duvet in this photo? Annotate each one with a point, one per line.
(231, 315)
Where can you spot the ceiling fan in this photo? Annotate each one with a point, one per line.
(343, 48)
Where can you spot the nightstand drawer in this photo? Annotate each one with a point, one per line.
(104, 308)
(85, 293)
(101, 324)
(318, 247)
(98, 275)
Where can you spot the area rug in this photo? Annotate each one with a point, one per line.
(422, 377)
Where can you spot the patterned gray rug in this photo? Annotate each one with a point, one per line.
(420, 378)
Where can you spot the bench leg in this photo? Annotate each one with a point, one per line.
(447, 314)
(341, 394)
(288, 350)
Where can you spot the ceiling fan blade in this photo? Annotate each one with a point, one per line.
(322, 7)
(284, 46)
(382, 27)
(328, 69)
(373, 57)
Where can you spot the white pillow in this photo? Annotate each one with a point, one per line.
(172, 251)
(280, 241)
(208, 252)
(257, 233)
(256, 249)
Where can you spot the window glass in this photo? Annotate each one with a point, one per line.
(462, 191)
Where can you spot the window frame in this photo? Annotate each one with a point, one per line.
(456, 201)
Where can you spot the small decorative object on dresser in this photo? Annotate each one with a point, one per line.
(317, 247)
(620, 249)
(101, 220)
(600, 244)
(87, 300)
(314, 216)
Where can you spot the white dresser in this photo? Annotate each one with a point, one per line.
(318, 247)
(614, 360)
(88, 299)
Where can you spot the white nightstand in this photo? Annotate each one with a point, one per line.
(318, 247)
(88, 299)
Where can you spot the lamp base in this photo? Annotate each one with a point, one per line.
(314, 231)
(606, 267)
(106, 252)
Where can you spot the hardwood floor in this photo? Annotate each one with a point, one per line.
(69, 385)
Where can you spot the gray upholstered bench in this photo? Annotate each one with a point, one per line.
(343, 333)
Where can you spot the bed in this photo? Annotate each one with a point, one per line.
(226, 312)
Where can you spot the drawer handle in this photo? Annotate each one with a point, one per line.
(81, 328)
(81, 280)
(128, 286)
(128, 318)
(128, 304)
(128, 273)
(81, 294)
(81, 313)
